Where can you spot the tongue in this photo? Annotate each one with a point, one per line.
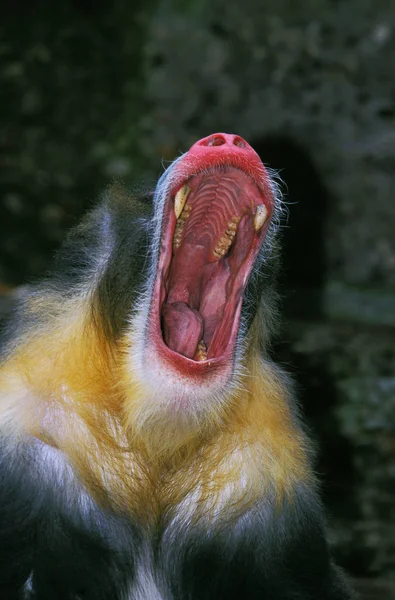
(182, 328)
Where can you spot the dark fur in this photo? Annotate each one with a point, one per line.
(271, 553)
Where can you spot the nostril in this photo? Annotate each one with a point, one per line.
(215, 140)
(239, 142)
(224, 139)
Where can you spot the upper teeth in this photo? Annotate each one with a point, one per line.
(180, 199)
(260, 216)
(226, 240)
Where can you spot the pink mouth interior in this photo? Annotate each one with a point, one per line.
(214, 246)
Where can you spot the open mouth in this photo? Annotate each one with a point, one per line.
(214, 223)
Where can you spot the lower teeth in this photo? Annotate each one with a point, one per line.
(201, 351)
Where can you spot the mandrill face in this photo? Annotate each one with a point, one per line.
(216, 210)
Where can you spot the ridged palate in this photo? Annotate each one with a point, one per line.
(213, 206)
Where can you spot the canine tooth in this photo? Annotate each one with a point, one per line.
(260, 217)
(180, 199)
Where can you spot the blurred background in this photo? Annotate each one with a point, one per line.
(92, 91)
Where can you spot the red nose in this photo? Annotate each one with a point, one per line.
(223, 143)
(223, 139)
(226, 148)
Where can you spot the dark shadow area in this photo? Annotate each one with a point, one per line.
(334, 465)
(302, 237)
(302, 278)
(64, 72)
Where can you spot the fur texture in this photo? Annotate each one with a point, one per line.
(113, 488)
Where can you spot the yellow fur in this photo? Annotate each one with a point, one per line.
(68, 388)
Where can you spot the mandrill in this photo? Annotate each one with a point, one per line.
(149, 447)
